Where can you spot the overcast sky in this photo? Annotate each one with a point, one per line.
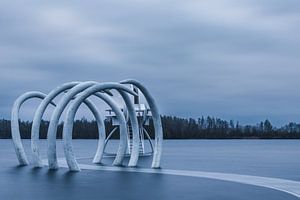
(230, 59)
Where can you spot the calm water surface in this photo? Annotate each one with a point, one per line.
(270, 158)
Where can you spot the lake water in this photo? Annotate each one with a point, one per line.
(268, 158)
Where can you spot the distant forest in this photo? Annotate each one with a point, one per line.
(173, 128)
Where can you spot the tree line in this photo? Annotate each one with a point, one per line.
(173, 128)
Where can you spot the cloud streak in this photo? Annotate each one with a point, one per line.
(231, 59)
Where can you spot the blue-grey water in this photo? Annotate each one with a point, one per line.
(269, 158)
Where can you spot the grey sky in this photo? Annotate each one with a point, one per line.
(230, 59)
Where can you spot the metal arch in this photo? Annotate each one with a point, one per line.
(15, 129)
(68, 127)
(75, 89)
(129, 111)
(37, 162)
(156, 121)
(101, 130)
(123, 126)
(69, 120)
(134, 156)
(51, 135)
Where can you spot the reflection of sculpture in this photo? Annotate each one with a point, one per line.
(128, 120)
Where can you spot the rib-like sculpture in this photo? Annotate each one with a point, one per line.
(122, 123)
(51, 135)
(78, 93)
(70, 114)
(37, 162)
(68, 128)
(134, 156)
(15, 130)
(156, 121)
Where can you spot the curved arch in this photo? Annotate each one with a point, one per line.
(37, 162)
(69, 120)
(121, 118)
(134, 156)
(130, 112)
(101, 130)
(69, 124)
(156, 121)
(15, 131)
(51, 135)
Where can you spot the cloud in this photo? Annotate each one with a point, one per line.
(232, 59)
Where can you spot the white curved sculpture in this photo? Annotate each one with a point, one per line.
(47, 99)
(134, 156)
(101, 130)
(15, 129)
(36, 160)
(78, 92)
(51, 135)
(67, 135)
(156, 121)
(70, 114)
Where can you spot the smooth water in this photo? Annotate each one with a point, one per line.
(270, 158)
